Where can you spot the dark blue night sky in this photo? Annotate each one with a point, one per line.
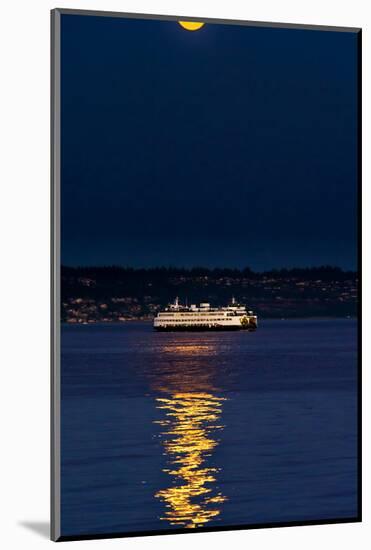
(231, 146)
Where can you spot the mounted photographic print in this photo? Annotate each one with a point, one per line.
(205, 284)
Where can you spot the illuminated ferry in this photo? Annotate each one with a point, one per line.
(204, 317)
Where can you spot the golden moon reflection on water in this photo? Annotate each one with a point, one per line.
(192, 412)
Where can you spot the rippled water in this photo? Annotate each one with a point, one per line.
(183, 430)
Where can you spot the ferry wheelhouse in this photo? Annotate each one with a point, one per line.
(178, 317)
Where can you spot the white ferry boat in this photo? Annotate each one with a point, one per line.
(204, 317)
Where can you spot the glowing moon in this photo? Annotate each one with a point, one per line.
(191, 25)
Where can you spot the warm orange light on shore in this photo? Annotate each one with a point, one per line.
(191, 25)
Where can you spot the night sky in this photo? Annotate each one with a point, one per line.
(230, 146)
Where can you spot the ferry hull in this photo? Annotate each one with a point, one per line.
(205, 329)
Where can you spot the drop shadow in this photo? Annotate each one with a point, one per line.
(42, 528)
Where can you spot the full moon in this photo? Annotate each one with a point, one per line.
(191, 25)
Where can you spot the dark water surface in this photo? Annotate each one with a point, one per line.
(182, 430)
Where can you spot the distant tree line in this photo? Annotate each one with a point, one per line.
(115, 290)
(111, 272)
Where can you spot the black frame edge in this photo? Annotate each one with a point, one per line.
(359, 267)
(308, 523)
(270, 24)
(55, 528)
(55, 273)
